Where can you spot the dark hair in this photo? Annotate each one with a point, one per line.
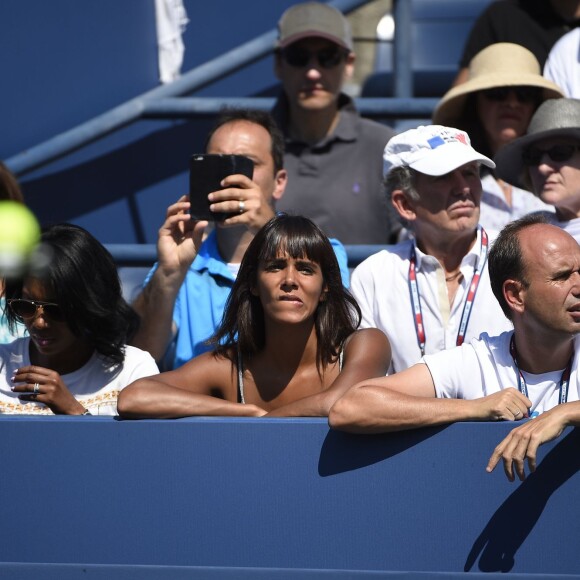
(262, 118)
(9, 188)
(83, 280)
(337, 317)
(470, 122)
(505, 257)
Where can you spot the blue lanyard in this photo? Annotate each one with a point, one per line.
(523, 388)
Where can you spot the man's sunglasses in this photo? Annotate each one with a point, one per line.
(28, 309)
(300, 57)
(523, 94)
(532, 156)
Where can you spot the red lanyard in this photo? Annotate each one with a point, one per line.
(470, 298)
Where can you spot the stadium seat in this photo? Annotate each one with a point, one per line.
(439, 30)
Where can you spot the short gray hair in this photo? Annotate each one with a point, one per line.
(402, 178)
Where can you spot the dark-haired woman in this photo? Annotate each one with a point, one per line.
(75, 361)
(287, 345)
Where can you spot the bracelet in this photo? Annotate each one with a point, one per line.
(87, 412)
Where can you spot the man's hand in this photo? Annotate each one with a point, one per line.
(522, 443)
(179, 239)
(178, 243)
(241, 193)
(505, 405)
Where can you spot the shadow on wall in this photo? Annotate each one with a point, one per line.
(503, 543)
(497, 545)
(342, 452)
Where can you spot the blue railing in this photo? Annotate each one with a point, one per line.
(199, 106)
(162, 102)
(146, 254)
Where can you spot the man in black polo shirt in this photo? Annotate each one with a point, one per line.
(333, 156)
(534, 24)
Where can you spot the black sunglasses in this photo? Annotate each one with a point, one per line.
(300, 57)
(523, 94)
(532, 156)
(27, 309)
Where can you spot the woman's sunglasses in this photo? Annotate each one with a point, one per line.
(300, 57)
(532, 156)
(523, 94)
(28, 309)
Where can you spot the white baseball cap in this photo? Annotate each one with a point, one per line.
(432, 150)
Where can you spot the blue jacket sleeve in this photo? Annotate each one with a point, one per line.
(342, 258)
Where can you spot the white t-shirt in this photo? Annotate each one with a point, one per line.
(96, 385)
(563, 64)
(485, 366)
(380, 285)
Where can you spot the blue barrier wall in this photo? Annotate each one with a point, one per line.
(280, 494)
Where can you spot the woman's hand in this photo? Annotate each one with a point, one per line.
(42, 385)
(254, 411)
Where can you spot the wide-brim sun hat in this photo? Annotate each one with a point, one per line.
(554, 118)
(502, 64)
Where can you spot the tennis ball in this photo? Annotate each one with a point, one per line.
(19, 236)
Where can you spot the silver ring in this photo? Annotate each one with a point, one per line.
(36, 388)
(518, 413)
(241, 206)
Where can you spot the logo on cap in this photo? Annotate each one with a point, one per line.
(446, 137)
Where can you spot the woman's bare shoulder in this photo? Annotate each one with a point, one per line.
(367, 336)
(206, 373)
(368, 344)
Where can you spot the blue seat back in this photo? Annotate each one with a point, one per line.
(439, 31)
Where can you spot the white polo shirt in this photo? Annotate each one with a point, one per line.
(380, 285)
(485, 366)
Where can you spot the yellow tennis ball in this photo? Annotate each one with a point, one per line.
(19, 236)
